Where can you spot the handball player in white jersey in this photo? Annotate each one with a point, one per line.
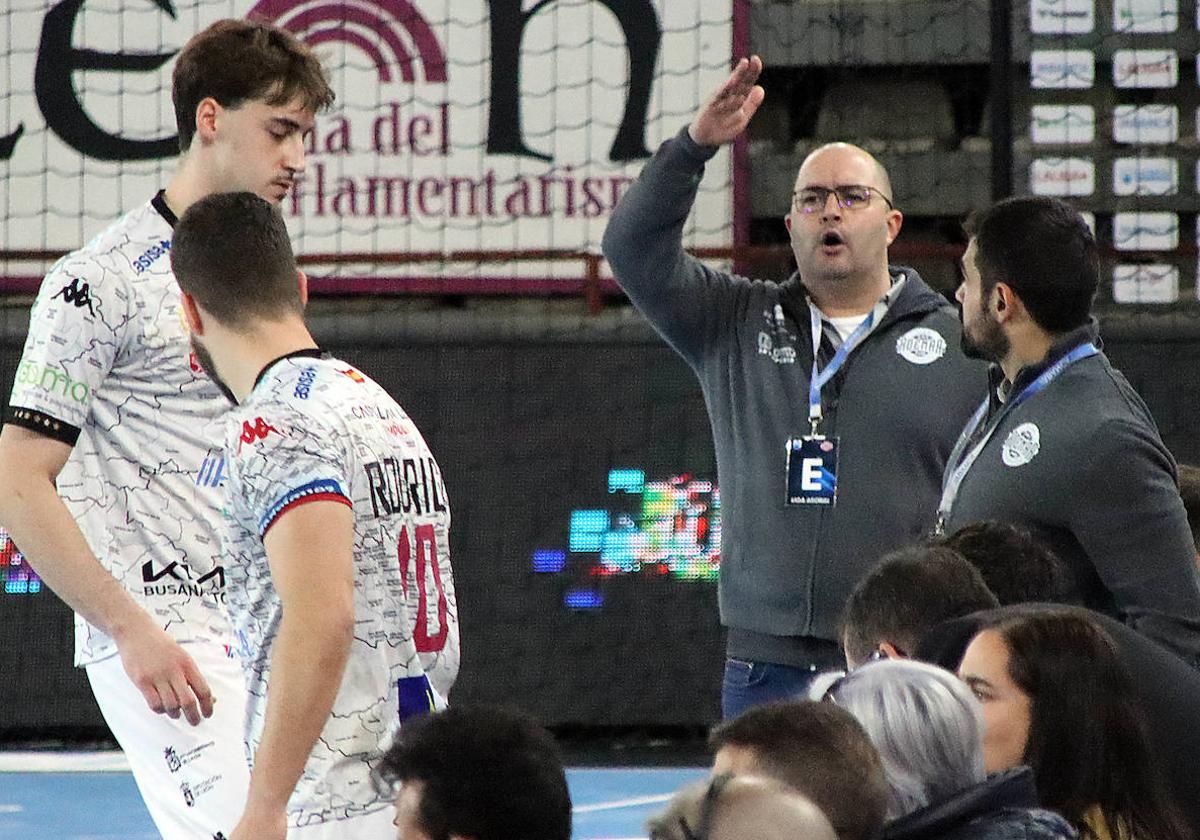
(111, 452)
(337, 554)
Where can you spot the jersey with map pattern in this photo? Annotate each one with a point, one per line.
(315, 428)
(107, 366)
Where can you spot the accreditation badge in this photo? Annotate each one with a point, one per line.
(812, 463)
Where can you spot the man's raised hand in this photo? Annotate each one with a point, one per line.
(730, 108)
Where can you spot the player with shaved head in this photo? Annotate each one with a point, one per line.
(835, 396)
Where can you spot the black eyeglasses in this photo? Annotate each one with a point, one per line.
(849, 197)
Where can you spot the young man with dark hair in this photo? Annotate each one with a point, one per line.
(110, 451)
(477, 773)
(907, 593)
(340, 586)
(1017, 568)
(1063, 444)
(817, 749)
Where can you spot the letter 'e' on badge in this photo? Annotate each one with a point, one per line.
(921, 346)
(1021, 445)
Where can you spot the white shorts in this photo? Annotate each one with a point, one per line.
(193, 779)
(376, 826)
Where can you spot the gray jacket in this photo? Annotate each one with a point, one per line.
(1081, 464)
(897, 406)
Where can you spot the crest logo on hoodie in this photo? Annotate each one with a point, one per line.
(1022, 445)
(921, 346)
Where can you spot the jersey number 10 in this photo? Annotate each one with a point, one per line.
(426, 566)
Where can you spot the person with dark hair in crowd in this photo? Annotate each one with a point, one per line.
(1017, 567)
(1056, 698)
(740, 808)
(132, 543)
(815, 748)
(477, 773)
(929, 731)
(339, 642)
(1063, 444)
(811, 384)
(1167, 689)
(906, 594)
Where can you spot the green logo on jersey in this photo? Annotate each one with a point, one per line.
(52, 381)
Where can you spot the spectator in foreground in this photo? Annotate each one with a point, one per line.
(740, 808)
(816, 749)
(929, 733)
(1055, 697)
(477, 773)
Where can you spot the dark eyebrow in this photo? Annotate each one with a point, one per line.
(974, 681)
(284, 122)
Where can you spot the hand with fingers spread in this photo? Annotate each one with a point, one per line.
(729, 110)
(163, 671)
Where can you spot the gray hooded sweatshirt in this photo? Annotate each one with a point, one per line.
(896, 406)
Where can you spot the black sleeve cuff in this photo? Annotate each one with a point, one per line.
(42, 423)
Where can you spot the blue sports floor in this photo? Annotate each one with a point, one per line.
(610, 803)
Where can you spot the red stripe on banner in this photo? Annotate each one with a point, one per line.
(315, 497)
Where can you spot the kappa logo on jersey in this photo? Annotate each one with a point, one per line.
(79, 295)
(1022, 445)
(353, 374)
(256, 431)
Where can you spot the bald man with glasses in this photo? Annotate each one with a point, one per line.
(835, 396)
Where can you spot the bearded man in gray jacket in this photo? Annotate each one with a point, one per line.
(834, 396)
(1064, 446)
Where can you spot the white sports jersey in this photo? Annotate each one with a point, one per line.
(316, 428)
(107, 366)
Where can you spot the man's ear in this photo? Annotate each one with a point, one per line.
(891, 651)
(1008, 305)
(208, 113)
(191, 313)
(302, 283)
(894, 220)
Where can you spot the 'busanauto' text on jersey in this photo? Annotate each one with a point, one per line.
(107, 368)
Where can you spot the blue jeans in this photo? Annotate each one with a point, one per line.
(749, 684)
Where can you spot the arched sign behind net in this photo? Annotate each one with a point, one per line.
(494, 125)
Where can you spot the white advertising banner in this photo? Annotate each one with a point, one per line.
(466, 126)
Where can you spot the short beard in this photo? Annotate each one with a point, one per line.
(991, 345)
(206, 361)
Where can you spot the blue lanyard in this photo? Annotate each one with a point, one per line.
(818, 379)
(962, 464)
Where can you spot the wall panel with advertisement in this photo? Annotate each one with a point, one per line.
(491, 126)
